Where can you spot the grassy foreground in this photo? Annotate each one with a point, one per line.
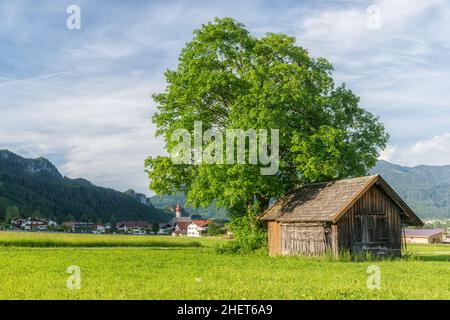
(183, 272)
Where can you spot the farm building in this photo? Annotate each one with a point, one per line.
(134, 227)
(181, 228)
(79, 227)
(197, 228)
(424, 236)
(355, 215)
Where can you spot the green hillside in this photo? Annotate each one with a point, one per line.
(36, 187)
(426, 189)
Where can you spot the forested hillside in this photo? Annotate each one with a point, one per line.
(35, 187)
(426, 189)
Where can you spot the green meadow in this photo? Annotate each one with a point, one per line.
(34, 266)
(46, 239)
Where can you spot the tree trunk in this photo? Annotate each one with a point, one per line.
(263, 203)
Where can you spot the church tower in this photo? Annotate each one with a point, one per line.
(178, 211)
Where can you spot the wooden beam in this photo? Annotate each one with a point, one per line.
(335, 240)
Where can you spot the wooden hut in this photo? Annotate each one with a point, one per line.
(357, 215)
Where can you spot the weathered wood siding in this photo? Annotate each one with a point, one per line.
(305, 238)
(274, 232)
(372, 222)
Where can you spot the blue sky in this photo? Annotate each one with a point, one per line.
(82, 97)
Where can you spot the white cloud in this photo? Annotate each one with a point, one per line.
(399, 71)
(388, 154)
(432, 151)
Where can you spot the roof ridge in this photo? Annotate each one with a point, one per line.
(341, 180)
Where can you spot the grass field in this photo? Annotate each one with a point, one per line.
(46, 239)
(150, 267)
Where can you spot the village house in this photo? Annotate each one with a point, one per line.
(446, 237)
(101, 228)
(181, 228)
(35, 224)
(52, 223)
(32, 224)
(197, 228)
(134, 227)
(165, 229)
(355, 215)
(16, 223)
(79, 227)
(423, 235)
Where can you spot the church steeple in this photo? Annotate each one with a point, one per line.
(178, 211)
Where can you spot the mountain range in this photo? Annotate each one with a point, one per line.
(36, 187)
(426, 189)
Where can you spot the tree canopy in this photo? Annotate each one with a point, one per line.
(226, 78)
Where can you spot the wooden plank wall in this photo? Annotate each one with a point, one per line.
(335, 240)
(305, 238)
(373, 218)
(274, 233)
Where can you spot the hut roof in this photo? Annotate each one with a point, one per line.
(328, 201)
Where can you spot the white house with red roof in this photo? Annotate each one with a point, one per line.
(197, 228)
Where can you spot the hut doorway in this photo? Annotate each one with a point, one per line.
(367, 229)
(373, 233)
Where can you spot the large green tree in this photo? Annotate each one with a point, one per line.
(227, 78)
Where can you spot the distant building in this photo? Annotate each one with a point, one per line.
(30, 224)
(181, 228)
(52, 223)
(80, 227)
(178, 218)
(134, 227)
(16, 223)
(446, 238)
(165, 229)
(101, 228)
(178, 211)
(35, 224)
(423, 235)
(197, 228)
